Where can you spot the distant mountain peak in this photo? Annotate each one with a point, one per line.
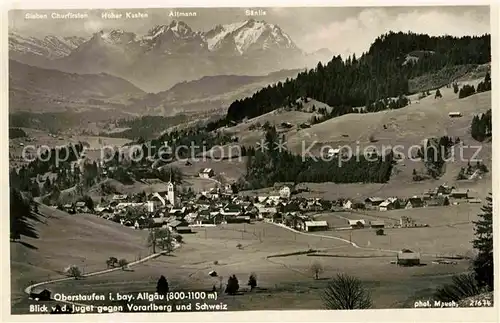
(117, 36)
(248, 34)
(50, 46)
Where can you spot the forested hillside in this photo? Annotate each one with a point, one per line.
(381, 72)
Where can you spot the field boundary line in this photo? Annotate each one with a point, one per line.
(28, 289)
(332, 237)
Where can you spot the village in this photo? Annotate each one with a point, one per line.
(184, 210)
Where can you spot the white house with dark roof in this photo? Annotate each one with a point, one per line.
(459, 193)
(206, 173)
(119, 197)
(357, 223)
(316, 225)
(373, 201)
(285, 192)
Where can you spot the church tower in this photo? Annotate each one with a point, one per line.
(171, 190)
(171, 193)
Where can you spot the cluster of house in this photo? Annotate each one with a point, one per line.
(78, 207)
(443, 195)
(181, 212)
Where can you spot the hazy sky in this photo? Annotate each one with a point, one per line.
(340, 29)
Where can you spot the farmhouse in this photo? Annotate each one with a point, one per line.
(333, 152)
(80, 207)
(207, 217)
(459, 194)
(353, 204)
(377, 224)
(408, 258)
(414, 202)
(316, 226)
(455, 114)
(118, 197)
(231, 210)
(386, 206)
(440, 200)
(206, 173)
(265, 212)
(373, 201)
(285, 192)
(357, 224)
(444, 189)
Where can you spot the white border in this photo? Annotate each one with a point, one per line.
(391, 315)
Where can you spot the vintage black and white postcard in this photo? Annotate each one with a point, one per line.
(202, 159)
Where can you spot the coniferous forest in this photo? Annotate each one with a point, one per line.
(481, 126)
(380, 73)
(266, 167)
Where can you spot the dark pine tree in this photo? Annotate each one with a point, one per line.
(252, 281)
(162, 286)
(20, 214)
(232, 285)
(483, 243)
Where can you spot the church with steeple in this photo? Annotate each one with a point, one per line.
(171, 191)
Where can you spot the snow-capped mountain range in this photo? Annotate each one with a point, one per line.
(248, 35)
(49, 47)
(168, 54)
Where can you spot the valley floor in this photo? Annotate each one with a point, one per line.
(284, 282)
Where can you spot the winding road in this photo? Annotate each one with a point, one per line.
(334, 238)
(28, 289)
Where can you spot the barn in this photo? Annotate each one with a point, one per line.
(455, 114)
(316, 226)
(377, 224)
(206, 173)
(183, 229)
(357, 224)
(408, 259)
(459, 194)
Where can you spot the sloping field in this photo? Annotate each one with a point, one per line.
(404, 130)
(406, 126)
(231, 169)
(82, 240)
(281, 278)
(135, 188)
(249, 137)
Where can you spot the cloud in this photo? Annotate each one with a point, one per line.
(93, 25)
(280, 11)
(355, 34)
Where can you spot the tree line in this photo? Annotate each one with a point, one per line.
(23, 210)
(266, 167)
(481, 126)
(145, 127)
(381, 72)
